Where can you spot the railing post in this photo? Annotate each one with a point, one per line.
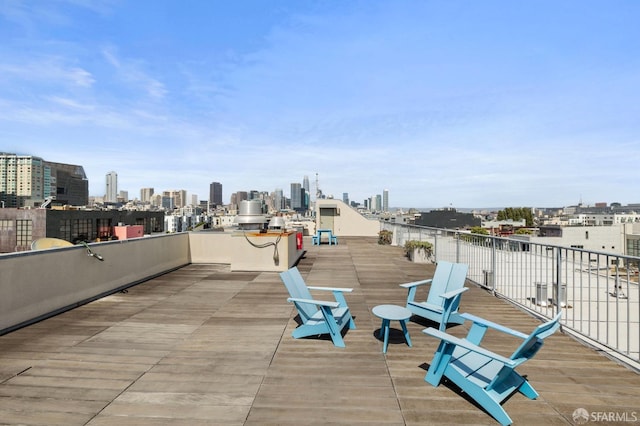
(457, 237)
(558, 278)
(435, 247)
(494, 264)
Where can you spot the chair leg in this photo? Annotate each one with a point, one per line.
(527, 390)
(497, 412)
(439, 364)
(384, 329)
(334, 330)
(491, 406)
(403, 323)
(337, 340)
(352, 323)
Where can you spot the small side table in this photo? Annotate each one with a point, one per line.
(390, 313)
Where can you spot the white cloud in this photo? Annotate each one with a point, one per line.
(132, 73)
(44, 70)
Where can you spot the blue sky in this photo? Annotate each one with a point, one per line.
(443, 103)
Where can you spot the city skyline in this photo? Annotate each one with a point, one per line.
(444, 104)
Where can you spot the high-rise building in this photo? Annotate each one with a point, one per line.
(278, 199)
(215, 194)
(241, 196)
(146, 194)
(296, 196)
(111, 189)
(345, 198)
(156, 200)
(69, 183)
(21, 180)
(26, 181)
(305, 184)
(174, 199)
(372, 204)
(385, 200)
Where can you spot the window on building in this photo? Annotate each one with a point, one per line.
(104, 228)
(6, 225)
(81, 230)
(24, 234)
(65, 229)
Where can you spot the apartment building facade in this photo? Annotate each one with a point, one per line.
(27, 181)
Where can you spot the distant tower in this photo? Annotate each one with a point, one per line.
(146, 194)
(296, 196)
(241, 196)
(305, 183)
(111, 192)
(215, 194)
(279, 199)
(385, 200)
(373, 203)
(175, 198)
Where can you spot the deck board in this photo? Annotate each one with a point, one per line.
(203, 345)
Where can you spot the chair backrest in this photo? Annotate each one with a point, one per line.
(448, 277)
(533, 343)
(298, 289)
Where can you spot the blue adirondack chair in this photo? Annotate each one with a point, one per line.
(441, 304)
(485, 376)
(317, 316)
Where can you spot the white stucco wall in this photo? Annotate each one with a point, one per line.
(348, 222)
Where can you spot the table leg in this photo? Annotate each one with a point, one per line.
(385, 329)
(403, 323)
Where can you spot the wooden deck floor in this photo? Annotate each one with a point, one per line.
(202, 345)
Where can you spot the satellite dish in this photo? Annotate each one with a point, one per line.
(47, 243)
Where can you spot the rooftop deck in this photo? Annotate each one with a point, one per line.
(202, 345)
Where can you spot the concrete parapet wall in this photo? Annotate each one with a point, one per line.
(210, 247)
(41, 283)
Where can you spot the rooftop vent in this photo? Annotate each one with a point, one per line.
(277, 222)
(251, 215)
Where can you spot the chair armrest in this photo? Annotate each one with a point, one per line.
(342, 290)
(415, 283)
(314, 302)
(463, 343)
(498, 327)
(454, 293)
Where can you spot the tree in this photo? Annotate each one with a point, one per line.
(479, 230)
(516, 214)
(523, 231)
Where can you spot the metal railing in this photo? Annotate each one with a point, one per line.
(596, 291)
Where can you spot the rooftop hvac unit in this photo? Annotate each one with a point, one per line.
(251, 216)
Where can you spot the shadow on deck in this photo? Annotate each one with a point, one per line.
(202, 345)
